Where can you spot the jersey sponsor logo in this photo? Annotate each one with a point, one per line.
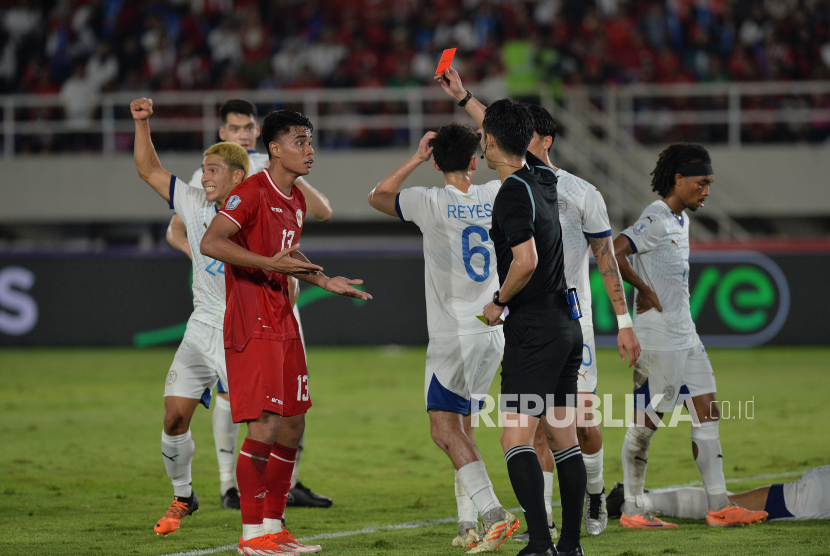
(668, 393)
(275, 400)
(299, 218)
(640, 228)
(233, 202)
(276, 209)
(172, 376)
(563, 206)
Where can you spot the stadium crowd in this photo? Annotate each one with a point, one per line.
(79, 48)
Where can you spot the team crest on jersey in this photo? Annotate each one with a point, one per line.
(668, 393)
(640, 228)
(233, 202)
(172, 376)
(299, 218)
(563, 206)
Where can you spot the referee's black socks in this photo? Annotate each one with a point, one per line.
(572, 483)
(529, 485)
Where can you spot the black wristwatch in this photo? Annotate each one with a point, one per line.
(496, 300)
(463, 102)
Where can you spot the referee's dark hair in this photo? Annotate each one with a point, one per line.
(453, 147)
(510, 124)
(237, 106)
(543, 123)
(280, 122)
(672, 157)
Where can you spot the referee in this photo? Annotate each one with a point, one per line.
(543, 344)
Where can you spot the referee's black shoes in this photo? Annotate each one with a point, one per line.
(549, 552)
(575, 552)
(302, 496)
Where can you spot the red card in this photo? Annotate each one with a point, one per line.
(446, 61)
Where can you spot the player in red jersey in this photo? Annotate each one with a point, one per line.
(266, 363)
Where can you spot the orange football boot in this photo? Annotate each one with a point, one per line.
(265, 545)
(169, 523)
(645, 521)
(288, 542)
(733, 516)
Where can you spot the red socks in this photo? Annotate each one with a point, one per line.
(251, 474)
(278, 477)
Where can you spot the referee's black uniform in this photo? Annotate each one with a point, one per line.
(543, 345)
(543, 349)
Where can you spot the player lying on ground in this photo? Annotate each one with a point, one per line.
(200, 360)
(257, 238)
(672, 353)
(585, 223)
(239, 125)
(463, 353)
(805, 498)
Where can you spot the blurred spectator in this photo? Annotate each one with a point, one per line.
(102, 67)
(79, 96)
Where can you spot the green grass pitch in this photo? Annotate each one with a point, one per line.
(80, 470)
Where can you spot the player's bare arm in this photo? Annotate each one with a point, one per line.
(383, 196)
(177, 236)
(338, 284)
(146, 160)
(450, 81)
(317, 204)
(603, 249)
(521, 270)
(646, 298)
(216, 244)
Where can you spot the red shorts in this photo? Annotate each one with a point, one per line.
(267, 376)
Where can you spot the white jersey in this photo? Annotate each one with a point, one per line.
(660, 241)
(191, 204)
(257, 163)
(582, 214)
(460, 261)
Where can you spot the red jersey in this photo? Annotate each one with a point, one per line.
(257, 300)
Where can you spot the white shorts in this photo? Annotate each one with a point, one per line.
(806, 498)
(460, 368)
(587, 379)
(198, 364)
(687, 372)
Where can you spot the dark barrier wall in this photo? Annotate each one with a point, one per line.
(738, 298)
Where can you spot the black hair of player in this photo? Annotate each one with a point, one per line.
(543, 123)
(453, 147)
(672, 157)
(237, 106)
(280, 122)
(510, 124)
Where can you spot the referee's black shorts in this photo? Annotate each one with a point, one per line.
(542, 356)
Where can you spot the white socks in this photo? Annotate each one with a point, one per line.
(685, 503)
(225, 433)
(177, 452)
(467, 512)
(252, 531)
(548, 477)
(634, 460)
(710, 463)
(272, 526)
(476, 483)
(593, 469)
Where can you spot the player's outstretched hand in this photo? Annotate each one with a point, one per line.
(343, 286)
(627, 341)
(451, 83)
(283, 263)
(141, 108)
(424, 147)
(647, 300)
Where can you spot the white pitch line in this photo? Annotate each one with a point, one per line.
(416, 524)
